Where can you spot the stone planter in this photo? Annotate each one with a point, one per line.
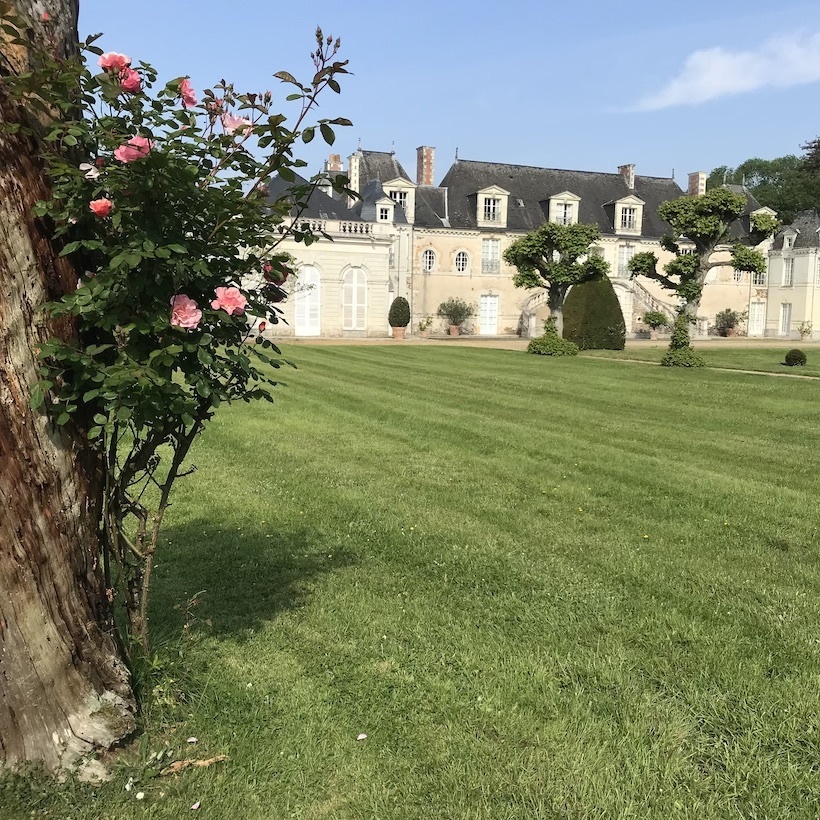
(398, 332)
(454, 330)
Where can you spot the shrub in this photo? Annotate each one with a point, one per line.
(728, 319)
(795, 358)
(550, 344)
(456, 311)
(399, 313)
(592, 316)
(682, 357)
(655, 319)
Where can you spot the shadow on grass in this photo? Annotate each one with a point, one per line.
(240, 577)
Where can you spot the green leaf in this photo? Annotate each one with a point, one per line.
(63, 418)
(70, 248)
(285, 77)
(308, 134)
(37, 396)
(327, 133)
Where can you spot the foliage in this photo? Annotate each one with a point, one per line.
(804, 329)
(786, 184)
(425, 324)
(593, 319)
(680, 352)
(556, 257)
(456, 311)
(795, 358)
(399, 313)
(655, 319)
(550, 343)
(728, 319)
(162, 204)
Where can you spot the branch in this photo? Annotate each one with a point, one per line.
(668, 283)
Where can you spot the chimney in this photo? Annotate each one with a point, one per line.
(697, 183)
(333, 164)
(628, 173)
(424, 164)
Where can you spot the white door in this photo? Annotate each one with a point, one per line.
(785, 318)
(308, 302)
(488, 315)
(757, 318)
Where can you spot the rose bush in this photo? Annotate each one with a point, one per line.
(160, 200)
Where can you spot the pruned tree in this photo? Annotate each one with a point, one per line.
(63, 689)
(556, 257)
(706, 223)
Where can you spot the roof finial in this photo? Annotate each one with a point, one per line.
(360, 144)
(393, 147)
(673, 173)
(456, 153)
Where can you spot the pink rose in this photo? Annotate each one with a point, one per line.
(188, 94)
(101, 207)
(111, 61)
(262, 326)
(136, 148)
(231, 123)
(230, 300)
(185, 312)
(130, 81)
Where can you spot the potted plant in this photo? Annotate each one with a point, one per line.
(655, 320)
(399, 317)
(455, 312)
(727, 320)
(424, 326)
(804, 329)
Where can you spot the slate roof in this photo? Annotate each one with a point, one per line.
(432, 206)
(740, 228)
(806, 223)
(380, 165)
(366, 207)
(320, 205)
(531, 187)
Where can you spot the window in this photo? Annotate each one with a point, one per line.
(737, 275)
(492, 209)
(788, 272)
(788, 241)
(629, 218)
(461, 261)
(759, 279)
(354, 299)
(785, 318)
(489, 256)
(817, 271)
(428, 260)
(625, 253)
(400, 198)
(563, 213)
(384, 214)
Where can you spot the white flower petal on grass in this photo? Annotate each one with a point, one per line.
(196, 805)
(362, 736)
(140, 795)
(192, 740)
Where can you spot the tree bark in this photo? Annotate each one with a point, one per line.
(64, 691)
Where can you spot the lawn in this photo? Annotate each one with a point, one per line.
(542, 588)
(764, 359)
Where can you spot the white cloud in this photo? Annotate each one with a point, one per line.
(779, 62)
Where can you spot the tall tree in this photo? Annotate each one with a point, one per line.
(63, 690)
(706, 222)
(556, 257)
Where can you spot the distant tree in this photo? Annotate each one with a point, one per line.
(705, 221)
(786, 184)
(555, 257)
(592, 316)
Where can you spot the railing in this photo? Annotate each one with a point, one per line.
(650, 302)
(354, 227)
(315, 225)
(490, 265)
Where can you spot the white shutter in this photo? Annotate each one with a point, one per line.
(354, 300)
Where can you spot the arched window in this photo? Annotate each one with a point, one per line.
(461, 261)
(428, 260)
(354, 299)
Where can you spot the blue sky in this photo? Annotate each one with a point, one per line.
(586, 86)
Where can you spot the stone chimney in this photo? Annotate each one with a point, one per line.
(697, 183)
(424, 164)
(353, 170)
(333, 164)
(628, 173)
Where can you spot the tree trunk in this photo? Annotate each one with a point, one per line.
(64, 692)
(555, 302)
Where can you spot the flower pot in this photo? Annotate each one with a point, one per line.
(398, 332)
(424, 333)
(730, 331)
(454, 330)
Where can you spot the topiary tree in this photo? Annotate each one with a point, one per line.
(593, 318)
(795, 358)
(399, 313)
(556, 257)
(455, 311)
(550, 343)
(655, 319)
(706, 222)
(128, 208)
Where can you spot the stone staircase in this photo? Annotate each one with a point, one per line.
(644, 301)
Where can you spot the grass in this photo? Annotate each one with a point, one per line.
(543, 589)
(765, 360)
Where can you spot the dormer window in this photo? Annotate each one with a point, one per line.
(384, 214)
(788, 242)
(492, 209)
(629, 218)
(563, 213)
(400, 198)
(564, 207)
